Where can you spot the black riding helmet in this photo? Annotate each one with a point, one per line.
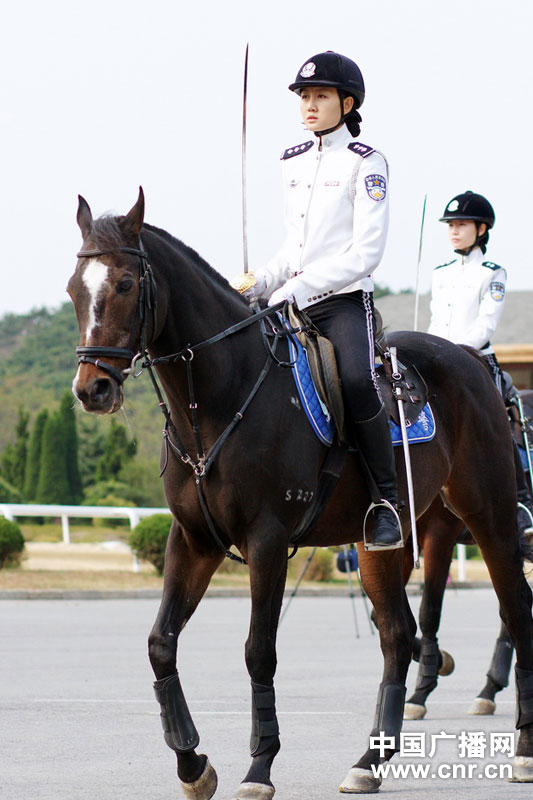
(470, 205)
(340, 72)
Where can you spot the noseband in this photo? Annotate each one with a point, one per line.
(146, 307)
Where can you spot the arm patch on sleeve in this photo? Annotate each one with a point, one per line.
(376, 187)
(497, 291)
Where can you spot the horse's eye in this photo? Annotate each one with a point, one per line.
(124, 285)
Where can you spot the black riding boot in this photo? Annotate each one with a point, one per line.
(523, 520)
(374, 440)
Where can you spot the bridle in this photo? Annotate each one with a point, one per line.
(145, 317)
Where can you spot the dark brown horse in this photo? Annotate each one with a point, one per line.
(438, 531)
(241, 465)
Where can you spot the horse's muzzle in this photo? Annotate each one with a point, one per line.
(98, 394)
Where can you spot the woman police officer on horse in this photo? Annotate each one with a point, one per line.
(467, 298)
(336, 219)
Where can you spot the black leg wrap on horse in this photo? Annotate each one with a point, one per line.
(428, 667)
(524, 697)
(180, 732)
(389, 711)
(264, 720)
(500, 666)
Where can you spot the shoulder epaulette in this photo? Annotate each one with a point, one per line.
(447, 264)
(297, 150)
(491, 265)
(361, 149)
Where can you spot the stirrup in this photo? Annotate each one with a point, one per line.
(368, 545)
(529, 530)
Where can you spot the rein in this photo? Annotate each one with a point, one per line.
(146, 310)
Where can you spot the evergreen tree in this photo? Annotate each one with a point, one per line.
(117, 452)
(90, 446)
(33, 461)
(68, 418)
(53, 485)
(13, 463)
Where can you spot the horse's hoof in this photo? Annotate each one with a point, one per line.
(482, 707)
(254, 791)
(360, 781)
(414, 711)
(204, 788)
(522, 769)
(448, 664)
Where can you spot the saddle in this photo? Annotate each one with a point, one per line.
(323, 368)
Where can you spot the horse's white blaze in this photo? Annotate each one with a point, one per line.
(94, 278)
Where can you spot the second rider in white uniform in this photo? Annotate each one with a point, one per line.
(467, 299)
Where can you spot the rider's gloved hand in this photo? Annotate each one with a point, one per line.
(249, 284)
(284, 293)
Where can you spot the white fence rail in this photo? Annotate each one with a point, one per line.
(134, 515)
(12, 510)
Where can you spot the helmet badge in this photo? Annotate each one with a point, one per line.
(453, 205)
(308, 69)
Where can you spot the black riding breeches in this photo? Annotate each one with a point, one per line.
(348, 321)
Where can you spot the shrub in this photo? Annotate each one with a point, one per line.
(11, 543)
(113, 522)
(98, 493)
(320, 568)
(148, 539)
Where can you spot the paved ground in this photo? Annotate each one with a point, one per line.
(79, 719)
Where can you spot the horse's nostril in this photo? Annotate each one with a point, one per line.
(100, 390)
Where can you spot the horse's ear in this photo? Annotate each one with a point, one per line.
(84, 217)
(133, 221)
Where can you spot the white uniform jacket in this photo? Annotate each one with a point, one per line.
(336, 218)
(467, 299)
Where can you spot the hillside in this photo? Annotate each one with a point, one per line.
(38, 363)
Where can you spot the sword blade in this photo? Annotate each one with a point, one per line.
(417, 292)
(243, 169)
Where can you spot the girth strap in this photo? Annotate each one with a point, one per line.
(327, 481)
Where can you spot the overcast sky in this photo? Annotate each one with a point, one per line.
(102, 96)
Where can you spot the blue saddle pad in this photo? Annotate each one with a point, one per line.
(421, 430)
(523, 457)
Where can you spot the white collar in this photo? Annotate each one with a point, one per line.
(474, 255)
(336, 138)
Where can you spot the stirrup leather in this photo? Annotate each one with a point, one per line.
(367, 544)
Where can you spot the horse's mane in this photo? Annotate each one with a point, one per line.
(107, 235)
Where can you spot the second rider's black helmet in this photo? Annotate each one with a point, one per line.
(331, 69)
(470, 205)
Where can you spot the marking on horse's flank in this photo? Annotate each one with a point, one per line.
(94, 278)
